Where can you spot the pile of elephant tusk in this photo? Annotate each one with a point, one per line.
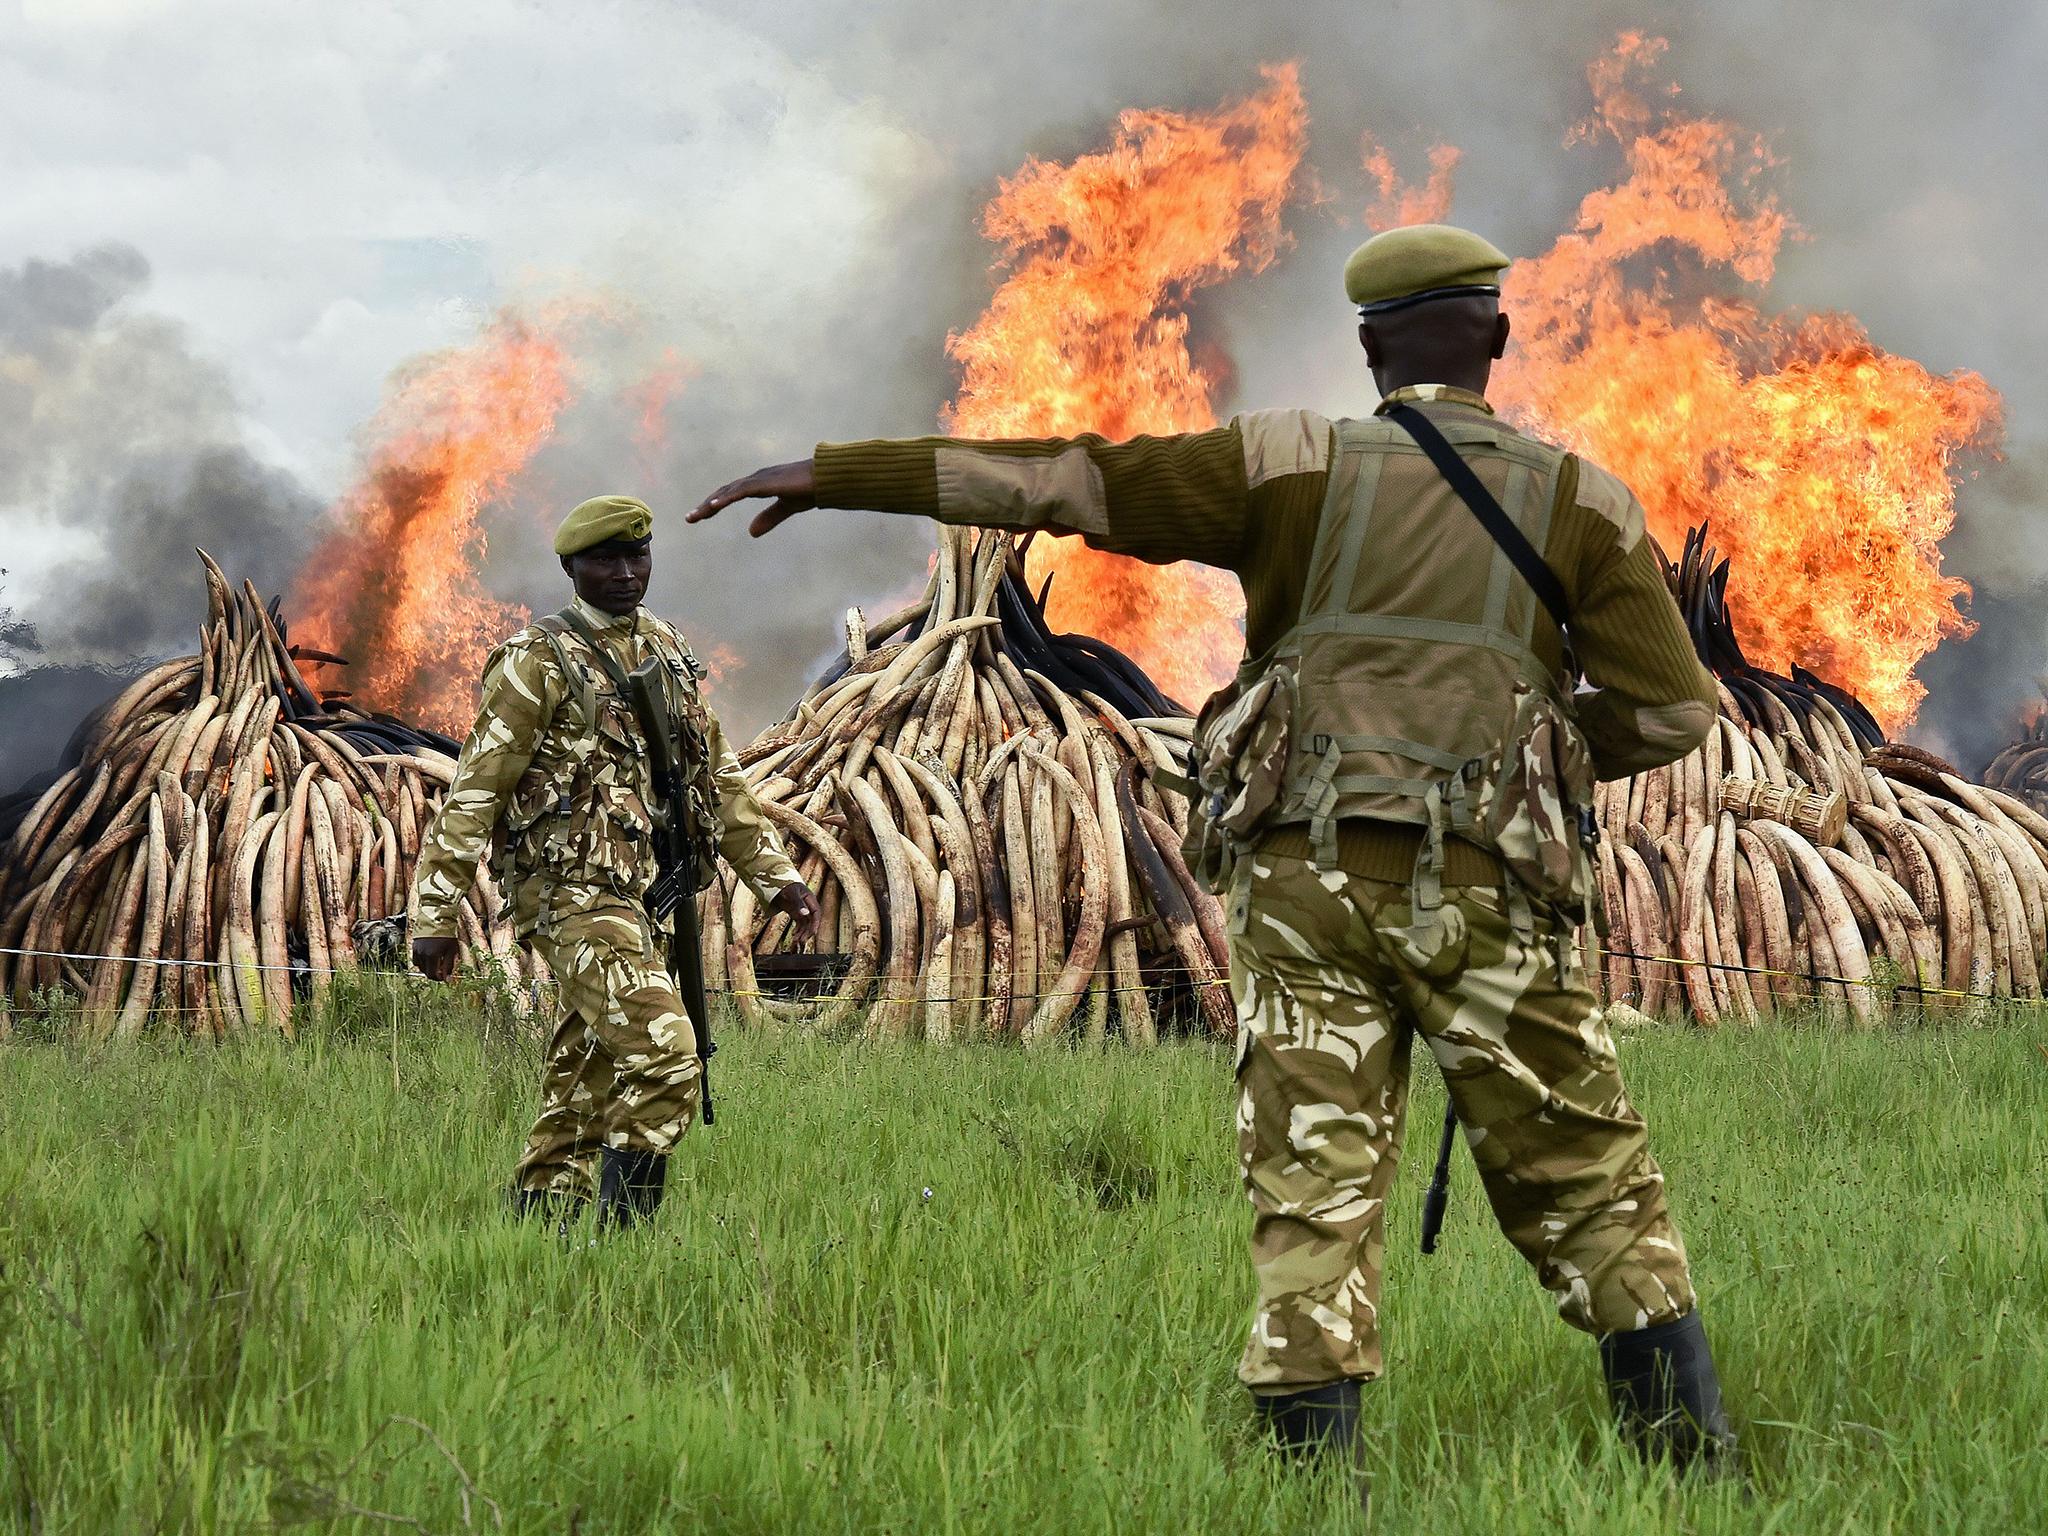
(975, 800)
(217, 837)
(2021, 770)
(972, 798)
(1798, 853)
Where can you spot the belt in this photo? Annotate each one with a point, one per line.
(1386, 850)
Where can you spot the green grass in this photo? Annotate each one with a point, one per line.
(270, 1286)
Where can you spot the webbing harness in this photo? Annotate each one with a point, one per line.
(554, 626)
(1436, 795)
(1492, 516)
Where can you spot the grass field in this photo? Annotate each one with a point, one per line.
(269, 1286)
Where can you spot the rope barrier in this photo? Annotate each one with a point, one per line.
(1680, 961)
(756, 993)
(1870, 983)
(1815, 979)
(1676, 961)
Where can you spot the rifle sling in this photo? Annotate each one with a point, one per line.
(1492, 516)
(605, 659)
(659, 749)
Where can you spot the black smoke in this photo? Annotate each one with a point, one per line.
(121, 449)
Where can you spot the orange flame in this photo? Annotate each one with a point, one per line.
(1401, 203)
(393, 586)
(649, 398)
(1089, 333)
(719, 661)
(1824, 464)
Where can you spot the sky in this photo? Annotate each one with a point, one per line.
(227, 223)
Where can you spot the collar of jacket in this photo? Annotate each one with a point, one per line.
(607, 623)
(1447, 394)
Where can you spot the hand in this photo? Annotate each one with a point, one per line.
(435, 958)
(796, 900)
(794, 487)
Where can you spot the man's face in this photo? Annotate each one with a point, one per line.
(612, 576)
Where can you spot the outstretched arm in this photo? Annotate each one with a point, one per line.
(1162, 499)
(787, 488)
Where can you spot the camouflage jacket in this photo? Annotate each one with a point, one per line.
(555, 775)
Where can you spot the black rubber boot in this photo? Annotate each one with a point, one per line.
(629, 1187)
(555, 1206)
(1317, 1422)
(1667, 1399)
(545, 1204)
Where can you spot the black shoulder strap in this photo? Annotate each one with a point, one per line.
(1513, 542)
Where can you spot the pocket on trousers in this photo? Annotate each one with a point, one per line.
(1237, 907)
(1438, 951)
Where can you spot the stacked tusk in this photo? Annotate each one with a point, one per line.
(222, 834)
(974, 799)
(1803, 854)
(2020, 772)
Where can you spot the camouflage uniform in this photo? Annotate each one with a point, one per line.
(1331, 978)
(555, 775)
(1354, 925)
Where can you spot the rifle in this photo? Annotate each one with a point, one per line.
(674, 891)
(1439, 1195)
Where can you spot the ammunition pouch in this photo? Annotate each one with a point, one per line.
(1530, 802)
(1243, 742)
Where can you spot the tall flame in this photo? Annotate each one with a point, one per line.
(393, 586)
(1089, 333)
(1824, 463)
(1401, 203)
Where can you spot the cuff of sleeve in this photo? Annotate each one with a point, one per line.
(426, 924)
(768, 883)
(878, 476)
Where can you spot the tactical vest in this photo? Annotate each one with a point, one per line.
(1409, 689)
(587, 812)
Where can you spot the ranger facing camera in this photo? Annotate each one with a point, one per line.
(598, 808)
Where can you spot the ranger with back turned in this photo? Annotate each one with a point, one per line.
(607, 819)
(1394, 799)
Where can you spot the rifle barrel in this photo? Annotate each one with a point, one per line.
(676, 857)
(1438, 1199)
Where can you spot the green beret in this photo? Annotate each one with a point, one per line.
(602, 518)
(1421, 261)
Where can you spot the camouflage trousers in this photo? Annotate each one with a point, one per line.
(1331, 986)
(622, 1068)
